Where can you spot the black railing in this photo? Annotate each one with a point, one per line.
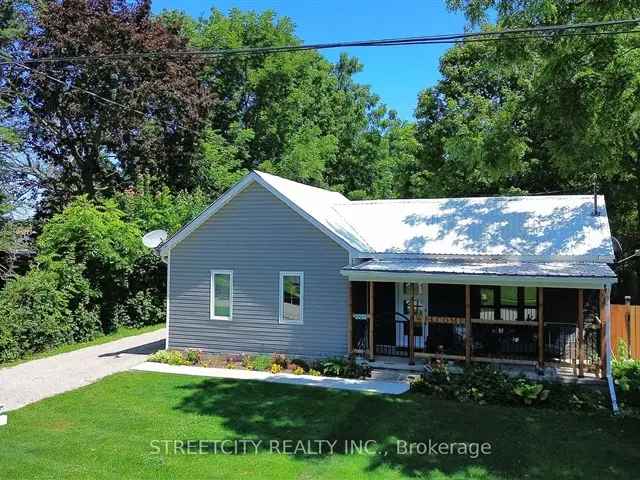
(391, 334)
(512, 342)
(561, 343)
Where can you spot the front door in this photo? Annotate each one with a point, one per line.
(403, 306)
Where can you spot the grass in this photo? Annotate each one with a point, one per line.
(107, 430)
(122, 332)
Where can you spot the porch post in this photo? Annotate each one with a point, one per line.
(412, 324)
(580, 339)
(467, 324)
(603, 327)
(370, 318)
(541, 327)
(349, 319)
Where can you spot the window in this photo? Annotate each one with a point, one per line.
(487, 304)
(530, 303)
(221, 294)
(291, 297)
(508, 303)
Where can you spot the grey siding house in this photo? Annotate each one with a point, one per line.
(278, 266)
(255, 237)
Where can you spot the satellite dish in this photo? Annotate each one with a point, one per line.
(154, 238)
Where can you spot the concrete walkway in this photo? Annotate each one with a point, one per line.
(32, 381)
(372, 386)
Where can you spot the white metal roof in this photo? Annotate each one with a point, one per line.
(541, 228)
(488, 267)
(489, 271)
(545, 227)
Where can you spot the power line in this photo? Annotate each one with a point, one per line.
(486, 36)
(92, 94)
(489, 36)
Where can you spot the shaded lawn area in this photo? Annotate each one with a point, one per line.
(121, 332)
(105, 430)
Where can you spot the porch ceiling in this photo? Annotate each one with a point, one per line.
(487, 272)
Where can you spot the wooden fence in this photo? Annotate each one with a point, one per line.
(625, 325)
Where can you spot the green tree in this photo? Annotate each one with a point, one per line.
(101, 238)
(95, 146)
(293, 114)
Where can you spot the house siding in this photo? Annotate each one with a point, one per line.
(257, 236)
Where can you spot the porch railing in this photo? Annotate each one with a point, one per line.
(510, 339)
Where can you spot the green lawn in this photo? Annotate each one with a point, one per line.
(106, 430)
(122, 332)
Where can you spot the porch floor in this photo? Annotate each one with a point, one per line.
(399, 369)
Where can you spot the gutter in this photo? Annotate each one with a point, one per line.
(609, 352)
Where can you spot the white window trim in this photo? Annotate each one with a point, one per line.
(212, 294)
(281, 299)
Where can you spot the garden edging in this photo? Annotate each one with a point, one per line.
(371, 386)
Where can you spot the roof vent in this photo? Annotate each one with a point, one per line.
(595, 195)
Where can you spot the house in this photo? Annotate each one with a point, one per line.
(278, 266)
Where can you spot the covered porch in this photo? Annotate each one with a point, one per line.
(511, 312)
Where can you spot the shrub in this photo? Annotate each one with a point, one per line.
(51, 305)
(486, 384)
(298, 362)
(247, 362)
(192, 356)
(345, 368)
(626, 370)
(276, 368)
(171, 357)
(314, 373)
(143, 308)
(98, 236)
(298, 371)
(529, 392)
(280, 359)
(261, 362)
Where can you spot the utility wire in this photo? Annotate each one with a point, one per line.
(503, 35)
(100, 98)
(492, 36)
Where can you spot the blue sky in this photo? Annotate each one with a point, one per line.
(396, 74)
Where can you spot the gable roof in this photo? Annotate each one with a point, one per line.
(526, 227)
(312, 203)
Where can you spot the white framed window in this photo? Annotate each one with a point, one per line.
(291, 297)
(221, 295)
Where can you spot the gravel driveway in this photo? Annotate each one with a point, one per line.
(32, 381)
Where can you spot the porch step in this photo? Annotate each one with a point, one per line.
(394, 363)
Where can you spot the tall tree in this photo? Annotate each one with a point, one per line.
(294, 114)
(569, 106)
(150, 121)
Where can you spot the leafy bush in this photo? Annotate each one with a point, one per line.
(261, 362)
(530, 392)
(345, 368)
(143, 308)
(625, 370)
(314, 373)
(170, 357)
(484, 384)
(280, 359)
(300, 363)
(51, 305)
(298, 371)
(276, 368)
(192, 356)
(98, 236)
(247, 362)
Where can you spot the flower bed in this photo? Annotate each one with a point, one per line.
(276, 363)
(484, 384)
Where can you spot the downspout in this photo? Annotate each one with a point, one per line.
(609, 352)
